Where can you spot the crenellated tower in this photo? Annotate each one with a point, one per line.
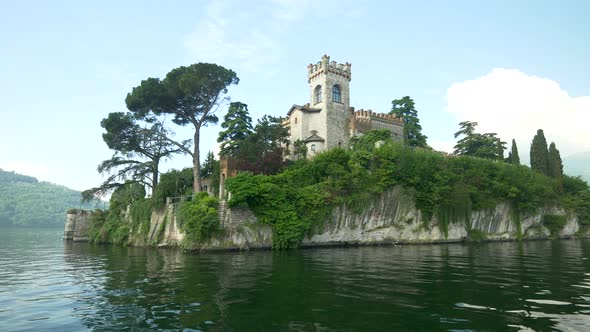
(328, 121)
(329, 87)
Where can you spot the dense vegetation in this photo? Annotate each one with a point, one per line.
(448, 187)
(24, 201)
(197, 217)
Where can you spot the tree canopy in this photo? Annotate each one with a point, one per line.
(139, 147)
(237, 125)
(474, 144)
(539, 153)
(513, 157)
(190, 94)
(405, 108)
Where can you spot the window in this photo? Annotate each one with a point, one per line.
(318, 94)
(295, 120)
(336, 95)
(313, 148)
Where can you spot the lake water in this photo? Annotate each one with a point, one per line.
(46, 285)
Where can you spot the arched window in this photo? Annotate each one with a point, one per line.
(336, 95)
(318, 94)
(313, 148)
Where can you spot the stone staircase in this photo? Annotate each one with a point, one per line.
(222, 211)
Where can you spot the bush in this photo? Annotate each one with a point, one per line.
(554, 223)
(198, 218)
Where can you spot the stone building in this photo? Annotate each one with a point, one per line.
(328, 121)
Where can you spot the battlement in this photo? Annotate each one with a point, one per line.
(369, 116)
(327, 66)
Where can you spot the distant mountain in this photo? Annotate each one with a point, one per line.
(24, 201)
(578, 164)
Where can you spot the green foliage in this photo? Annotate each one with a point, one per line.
(539, 153)
(238, 126)
(190, 94)
(24, 201)
(261, 150)
(405, 108)
(576, 197)
(554, 223)
(173, 184)
(450, 188)
(300, 149)
(367, 141)
(139, 147)
(141, 215)
(126, 195)
(555, 166)
(513, 157)
(473, 144)
(208, 167)
(198, 218)
(108, 227)
(476, 235)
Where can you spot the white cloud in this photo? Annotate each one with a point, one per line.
(248, 36)
(514, 105)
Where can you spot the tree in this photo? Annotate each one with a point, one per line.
(405, 109)
(208, 167)
(238, 126)
(132, 140)
(486, 145)
(300, 149)
(262, 151)
(513, 157)
(555, 166)
(539, 153)
(500, 147)
(191, 94)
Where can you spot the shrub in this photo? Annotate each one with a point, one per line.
(554, 223)
(198, 217)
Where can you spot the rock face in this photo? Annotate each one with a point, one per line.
(393, 218)
(388, 219)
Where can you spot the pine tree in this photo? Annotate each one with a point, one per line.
(539, 153)
(405, 109)
(238, 126)
(555, 166)
(513, 157)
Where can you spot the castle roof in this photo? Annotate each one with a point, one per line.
(314, 138)
(305, 108)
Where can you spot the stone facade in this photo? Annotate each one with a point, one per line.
(77, 225)
(328, 121)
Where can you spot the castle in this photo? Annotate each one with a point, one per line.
(328, 121)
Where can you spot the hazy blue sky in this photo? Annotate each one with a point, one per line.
(513, 66)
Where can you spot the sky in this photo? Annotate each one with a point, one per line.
(511, 66)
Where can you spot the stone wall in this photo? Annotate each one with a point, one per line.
(77, 225)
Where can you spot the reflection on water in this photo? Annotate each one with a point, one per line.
(533, 286)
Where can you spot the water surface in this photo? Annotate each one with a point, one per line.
(46, 285)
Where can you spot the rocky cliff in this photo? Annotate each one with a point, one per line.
(388, 219)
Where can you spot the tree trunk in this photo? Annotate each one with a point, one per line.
(155, 165)
(196, 162)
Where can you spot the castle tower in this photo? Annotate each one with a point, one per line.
(329, 87)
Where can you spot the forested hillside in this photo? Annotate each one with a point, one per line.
(24, 201)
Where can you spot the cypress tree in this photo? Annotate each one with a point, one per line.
(500, 149)
(555, 166)
(513, 157)
(539, 153)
